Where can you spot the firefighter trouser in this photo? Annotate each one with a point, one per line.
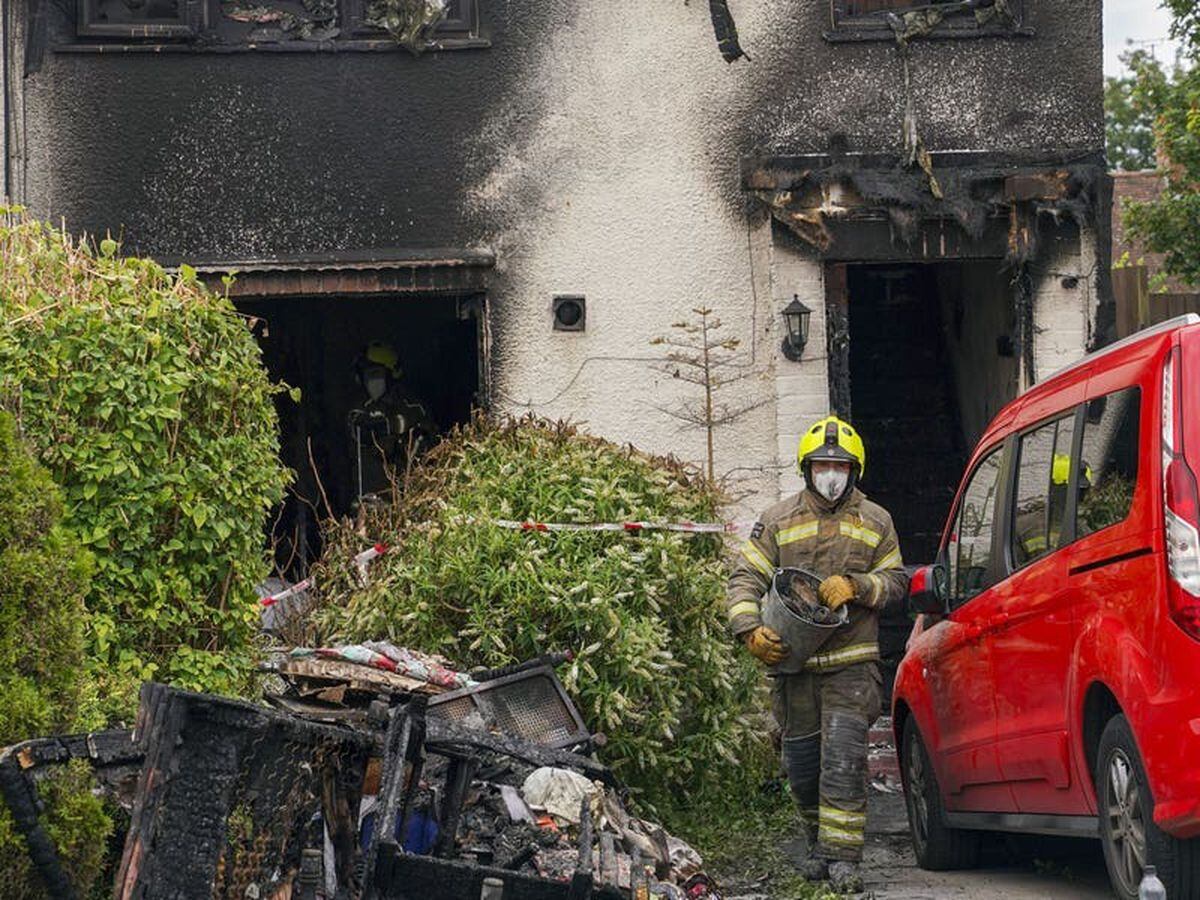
(824, 718)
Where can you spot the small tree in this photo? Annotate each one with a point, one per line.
(43, 578)
(698, 354)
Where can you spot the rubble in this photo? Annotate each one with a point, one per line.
(368, 783)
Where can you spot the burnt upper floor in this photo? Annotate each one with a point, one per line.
(229, 128)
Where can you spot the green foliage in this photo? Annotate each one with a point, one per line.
(77, 823)
(1171, 224)
(144, 395)
(1129, 127)
(43, 579)
(655, 668)
(1186, 24)
(741, 838)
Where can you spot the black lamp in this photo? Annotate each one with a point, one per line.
(796, 316)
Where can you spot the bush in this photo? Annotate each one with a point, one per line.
(655, 668)
(145, 397)
(43, 578)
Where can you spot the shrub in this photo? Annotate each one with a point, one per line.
(144, 395)
(43, 578)
(655, 670)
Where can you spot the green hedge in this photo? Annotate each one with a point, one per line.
(656, 670)
(43, 578)
(144, 395)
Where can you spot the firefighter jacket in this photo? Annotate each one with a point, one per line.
(854, 537)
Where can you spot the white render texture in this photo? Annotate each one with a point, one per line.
(631, 218)
(603, 178)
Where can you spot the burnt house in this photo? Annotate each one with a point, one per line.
(520, 195)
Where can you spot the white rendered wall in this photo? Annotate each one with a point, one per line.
(1065, 300)
(801, 388)
(613, 195)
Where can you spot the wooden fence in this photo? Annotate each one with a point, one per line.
(1138, 307)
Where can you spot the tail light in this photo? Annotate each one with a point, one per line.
(1181, 508)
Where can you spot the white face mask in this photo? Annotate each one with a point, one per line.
(830, 483)
(376, 386)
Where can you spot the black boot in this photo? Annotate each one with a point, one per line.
(815, 868)
(844, 877)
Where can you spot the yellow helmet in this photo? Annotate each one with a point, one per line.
(385, 355)
(832, 439)
(1060, 470)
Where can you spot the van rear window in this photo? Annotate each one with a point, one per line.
(1110, 461)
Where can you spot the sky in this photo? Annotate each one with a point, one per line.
(1137, 20)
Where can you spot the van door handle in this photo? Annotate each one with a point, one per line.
(998, 620)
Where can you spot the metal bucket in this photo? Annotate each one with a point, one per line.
(793, 609)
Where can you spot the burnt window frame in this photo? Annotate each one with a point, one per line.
(872, 27)
(463, 25)
(199, 28)
(192, 21)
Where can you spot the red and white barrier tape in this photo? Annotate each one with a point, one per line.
(298, 588)
(368, 556)
(362, 562)
(684, 527)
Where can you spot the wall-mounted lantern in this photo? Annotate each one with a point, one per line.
(796, 317)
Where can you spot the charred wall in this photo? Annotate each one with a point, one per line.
(209, 154)
(596, 147)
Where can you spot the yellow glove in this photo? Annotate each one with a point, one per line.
(766, 645)
(836, 591)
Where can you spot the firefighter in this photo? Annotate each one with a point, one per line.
(824, 712)
(390, 426)
(1038, 524)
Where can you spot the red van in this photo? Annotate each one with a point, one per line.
(1052, 683)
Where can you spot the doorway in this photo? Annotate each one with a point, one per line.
(316, 345)
(921, 358)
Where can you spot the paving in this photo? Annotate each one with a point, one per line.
(1013, 868)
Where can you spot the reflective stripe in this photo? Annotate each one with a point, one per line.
(842, 817)
(876, 587)
(860, 533)
(844, 656)
(757, 559)
(797, 533)
(744, 608)
(891, 561)
(831, 835)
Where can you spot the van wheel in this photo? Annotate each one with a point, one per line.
(937, 846)
(1127, 830)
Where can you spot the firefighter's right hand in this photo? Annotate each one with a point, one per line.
(766, 645)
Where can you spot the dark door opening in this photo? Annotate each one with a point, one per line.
(922, 356)
(317, 345)
(903, 401)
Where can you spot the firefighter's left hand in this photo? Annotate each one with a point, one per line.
(836, 591)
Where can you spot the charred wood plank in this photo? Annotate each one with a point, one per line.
(458, 783)
(444, 737)
(21, 797)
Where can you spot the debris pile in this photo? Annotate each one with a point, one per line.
(527, 805)
(389, 774)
